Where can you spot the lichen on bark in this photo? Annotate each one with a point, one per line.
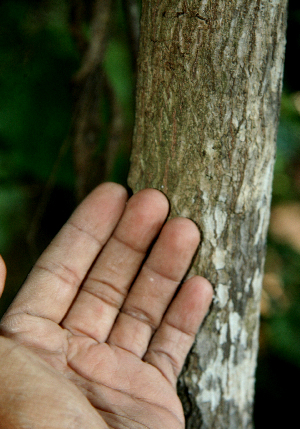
(208, 96)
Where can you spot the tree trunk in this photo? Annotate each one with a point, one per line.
(208, 97)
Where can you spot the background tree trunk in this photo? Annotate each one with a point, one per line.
(208, 94)
(88, 84)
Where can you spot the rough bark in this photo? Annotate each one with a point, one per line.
(208, 96)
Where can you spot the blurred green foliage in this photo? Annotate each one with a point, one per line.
(38, 59)
(284, 324)
(279, 359)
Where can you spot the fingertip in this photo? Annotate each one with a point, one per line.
(107, 191)
(202, 289)
(2, 267)
(112, 188)
(148, 205)
(154, 196)
(206, 286)
(189, 228)
(183, 230)
(3, 272)
(103, 206)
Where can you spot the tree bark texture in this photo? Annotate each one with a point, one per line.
(208, 97)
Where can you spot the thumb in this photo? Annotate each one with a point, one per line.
(2, 275)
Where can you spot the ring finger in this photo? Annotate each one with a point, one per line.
(155, 286)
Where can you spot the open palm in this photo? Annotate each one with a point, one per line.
(105, 317)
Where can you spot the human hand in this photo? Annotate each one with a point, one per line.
(106, 319)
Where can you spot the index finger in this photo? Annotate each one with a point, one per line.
(53, 282)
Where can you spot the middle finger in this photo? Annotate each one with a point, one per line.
(106, 286)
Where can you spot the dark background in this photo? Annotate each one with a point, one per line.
(38, 58)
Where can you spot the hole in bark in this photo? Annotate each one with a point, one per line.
(201, 18)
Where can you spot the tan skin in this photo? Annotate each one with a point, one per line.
(95, 338)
